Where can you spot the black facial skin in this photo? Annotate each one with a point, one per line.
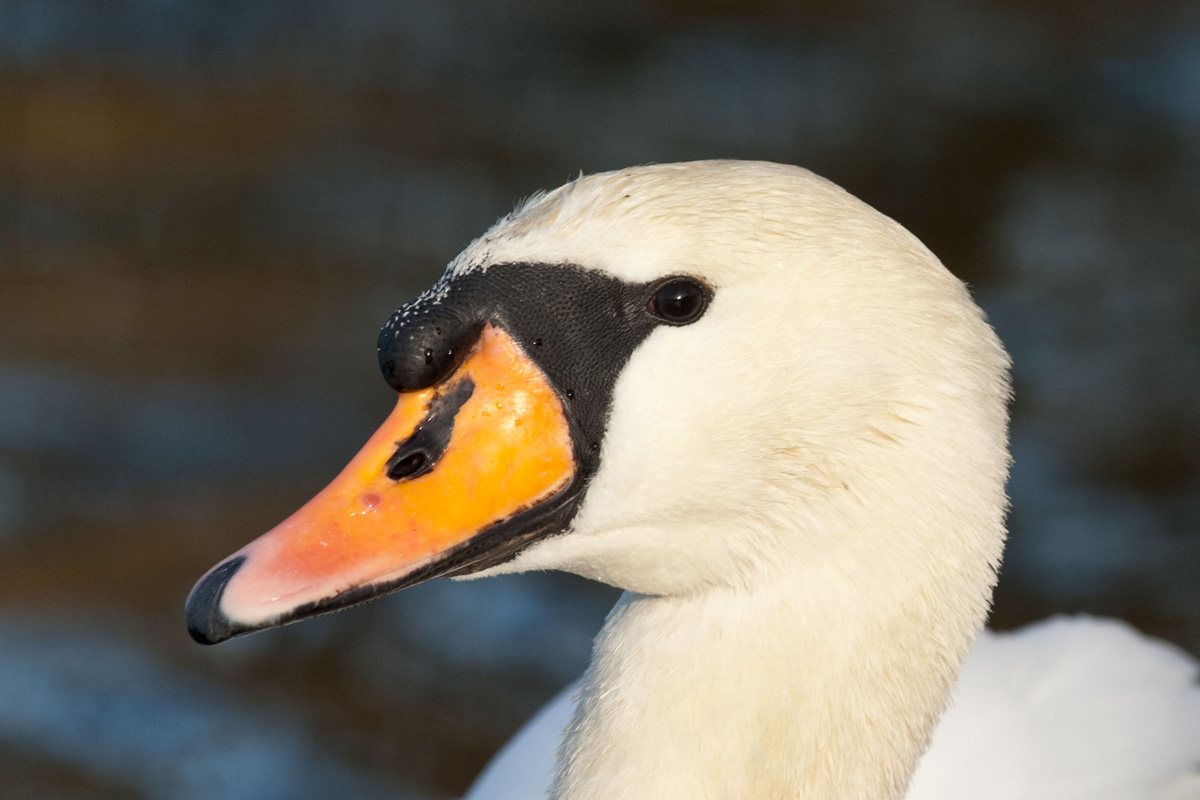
(579, 326)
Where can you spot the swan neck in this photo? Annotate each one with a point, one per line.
(777, 692)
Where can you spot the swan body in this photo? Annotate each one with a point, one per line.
(796, 473)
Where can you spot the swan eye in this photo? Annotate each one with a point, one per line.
(679, 301)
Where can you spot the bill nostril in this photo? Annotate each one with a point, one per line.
(409, 466)
(419, 453)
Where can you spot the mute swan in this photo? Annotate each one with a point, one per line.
(772, 417)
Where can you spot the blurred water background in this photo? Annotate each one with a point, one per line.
(208, 208)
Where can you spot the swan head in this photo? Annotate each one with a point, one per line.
(716, 374)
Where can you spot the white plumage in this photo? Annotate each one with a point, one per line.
(803, 496)
(1068, 709)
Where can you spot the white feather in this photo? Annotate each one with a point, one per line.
(1044, 712)
(1068, 709)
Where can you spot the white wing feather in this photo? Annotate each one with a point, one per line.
(1067, 709)
(524, 767)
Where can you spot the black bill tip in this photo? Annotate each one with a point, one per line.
(206, 623)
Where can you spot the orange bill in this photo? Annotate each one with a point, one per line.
(429, 494)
